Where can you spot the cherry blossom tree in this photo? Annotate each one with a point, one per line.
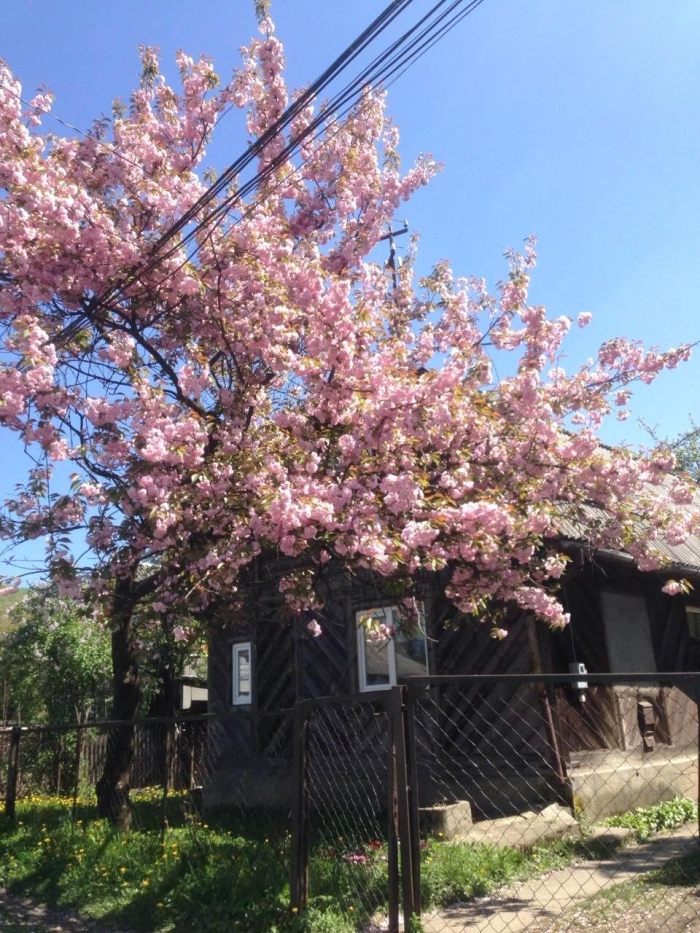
(258, 383)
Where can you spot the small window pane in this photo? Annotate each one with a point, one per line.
(411, 654)
(244, 672)
(241, 674)
(377, 663)
(694, 623)
(375, 653)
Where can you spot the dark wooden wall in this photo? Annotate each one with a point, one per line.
(608, 717)
(501, 721)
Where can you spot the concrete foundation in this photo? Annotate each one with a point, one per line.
(446, 820)
(527, 829)
(604, 783)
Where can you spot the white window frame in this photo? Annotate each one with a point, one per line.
(392, 612)
(238, 698)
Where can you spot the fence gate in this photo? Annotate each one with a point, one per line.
(352, 808)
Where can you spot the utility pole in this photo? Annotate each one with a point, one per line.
(392, 263)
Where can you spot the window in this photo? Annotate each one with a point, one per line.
(693, 615)
(241, 691)
(628, 634)
(389, 647)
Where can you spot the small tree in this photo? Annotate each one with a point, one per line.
(54, 659)
(685, 448)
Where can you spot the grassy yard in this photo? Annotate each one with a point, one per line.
(216, 874)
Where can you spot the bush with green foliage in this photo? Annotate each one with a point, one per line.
(55, 660)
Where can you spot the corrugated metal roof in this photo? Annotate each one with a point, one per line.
(686, 555)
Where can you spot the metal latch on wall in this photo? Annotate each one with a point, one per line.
(578, 687)
(646, 718)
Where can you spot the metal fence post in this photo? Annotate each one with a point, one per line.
(413, 793)
(392, 853)
(12, 772)
(299, 882)
(697, 713)
(398, 710)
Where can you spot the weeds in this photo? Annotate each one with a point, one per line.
(645, 821)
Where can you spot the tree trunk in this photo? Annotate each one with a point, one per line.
(113, 786)
(165, 703)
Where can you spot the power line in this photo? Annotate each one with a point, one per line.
(390, 13)
(372, 73)
(383, 71)
(98, 142)
(382, 67)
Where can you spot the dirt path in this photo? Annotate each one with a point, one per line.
(19, 915)
(556, 901)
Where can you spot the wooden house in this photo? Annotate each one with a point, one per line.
(473, 738)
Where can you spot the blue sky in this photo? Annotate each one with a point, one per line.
(576, 122)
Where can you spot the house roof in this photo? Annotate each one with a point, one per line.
(683, 557)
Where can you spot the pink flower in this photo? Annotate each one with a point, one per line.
(356, 859)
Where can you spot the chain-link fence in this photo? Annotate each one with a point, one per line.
(349, 785)
(552, 803)
(558, 804)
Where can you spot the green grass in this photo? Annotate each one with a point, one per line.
(218, 874)
(155, 880)
(148, 879)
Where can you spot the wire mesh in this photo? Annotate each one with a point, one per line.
(557, 807)
(541, 805)
(348, 776)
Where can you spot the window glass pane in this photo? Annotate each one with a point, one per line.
(628, 634)
(411, 654)
(375, 626)
(376, 663)
(241, 688)
(243, 672)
